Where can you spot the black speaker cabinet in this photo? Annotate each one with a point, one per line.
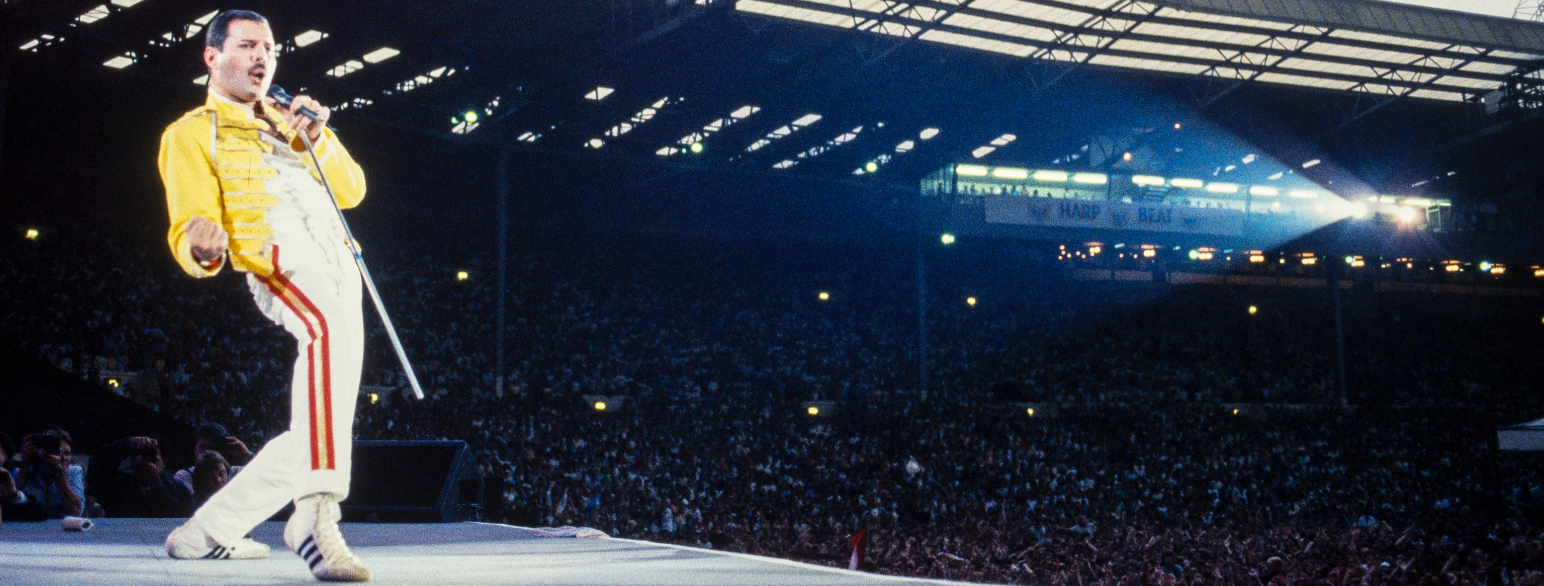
(413, 482)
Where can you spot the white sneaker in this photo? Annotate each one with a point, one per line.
(312, 533)
(189, 542)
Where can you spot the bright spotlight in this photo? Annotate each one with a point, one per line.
(813, 410)
(32, 233)
(374, 398)
(462, 275)
(971, 301)
(1030, 411)
(112, 382)
(947, 238)
(1485, 266)
(1253, 310)
(1149, 253)
(871, 166)
(1357, 210)
(1406, 215)
(470, 116)
(696, 148)
(600, 405)
(824, 296)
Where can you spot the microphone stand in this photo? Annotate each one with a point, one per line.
(359, 259)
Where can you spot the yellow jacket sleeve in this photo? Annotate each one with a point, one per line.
(191, 188)
(343, 174)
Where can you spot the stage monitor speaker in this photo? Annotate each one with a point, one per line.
(413, 482)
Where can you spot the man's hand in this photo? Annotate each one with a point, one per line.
(235, 447)
(208, 240)
(8, 491)
(301, 123)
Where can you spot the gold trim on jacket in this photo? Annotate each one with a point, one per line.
(211, 162)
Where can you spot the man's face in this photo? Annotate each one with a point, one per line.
(243, 69)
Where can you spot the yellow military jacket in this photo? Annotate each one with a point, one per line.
(212, 165)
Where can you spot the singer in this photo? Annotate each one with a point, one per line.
(239, 184)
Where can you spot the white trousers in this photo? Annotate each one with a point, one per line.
(314, 293)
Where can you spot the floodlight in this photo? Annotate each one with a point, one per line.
(308, 37)
(871, 166)
(813, 410)
(470, 116)
(381, 54)
(32, 233)
(1186, 183)
(971, 170)
(1010, 173)
(696, 147)
(971, 301)
(824, 296)
(1058, 176)
(462, 275)
(600, 405)
(947, 238)
(1253, 310)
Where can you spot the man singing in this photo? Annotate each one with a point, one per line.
(239, 182)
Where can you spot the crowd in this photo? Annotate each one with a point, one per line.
(1141, 476)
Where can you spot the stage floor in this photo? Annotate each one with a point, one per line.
(130, 551)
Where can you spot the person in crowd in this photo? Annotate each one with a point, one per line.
(209, 475)
(14, 504)
(129, 479)
(47, 476)
(212, 438)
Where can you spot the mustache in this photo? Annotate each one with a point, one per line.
(257, 69)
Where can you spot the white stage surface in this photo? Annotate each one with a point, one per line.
(130, 551)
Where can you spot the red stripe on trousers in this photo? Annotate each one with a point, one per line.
(278, 291)
(330, 462)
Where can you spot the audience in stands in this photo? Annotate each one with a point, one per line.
(1141, 475)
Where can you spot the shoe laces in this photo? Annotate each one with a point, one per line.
(328, 538)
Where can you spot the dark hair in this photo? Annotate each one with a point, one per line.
(220, 27)
(210, 430)
(7, 447)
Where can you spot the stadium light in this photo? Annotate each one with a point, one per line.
(824, 296)
(970, 170)
(1406, 215)
(871, 166)
(462, 275)
(971, 301)
(1030, 411)
(1010, 173)
(600, 405)
(947, 238)
(1253, 310)
(696, 147)
(1149, 253)
(32, 233)
(812, 410)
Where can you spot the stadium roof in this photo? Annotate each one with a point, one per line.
(902, 86)
(1344, 45)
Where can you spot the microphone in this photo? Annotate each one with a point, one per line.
(284, 99)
